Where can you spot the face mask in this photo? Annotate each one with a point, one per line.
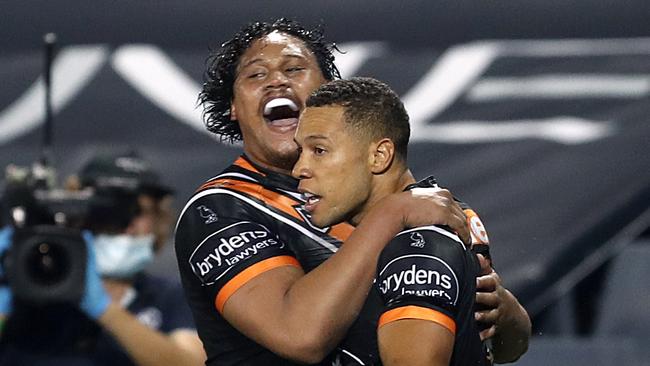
(123, 256)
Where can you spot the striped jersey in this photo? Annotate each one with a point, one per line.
(243, 222)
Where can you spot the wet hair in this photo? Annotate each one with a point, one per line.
(221, 70)
(371, 107)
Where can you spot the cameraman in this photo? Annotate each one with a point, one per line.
(125, 315)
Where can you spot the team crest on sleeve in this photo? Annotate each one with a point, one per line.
(477, 230)
(207, 214)
(222, 250)
(419, 275)
(417, 240)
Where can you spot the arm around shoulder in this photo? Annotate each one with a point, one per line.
(304, 316)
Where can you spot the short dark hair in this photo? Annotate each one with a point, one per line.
(371, 106)
(221, 67)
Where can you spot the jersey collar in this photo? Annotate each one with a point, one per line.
(272, 178)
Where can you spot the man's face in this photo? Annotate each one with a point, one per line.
(333, 168)
(155, 218)
(275, 76)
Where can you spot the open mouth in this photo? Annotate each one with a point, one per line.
(281, 112)
(311, 200)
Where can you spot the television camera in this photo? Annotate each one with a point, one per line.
(47, 256)
(46, 260)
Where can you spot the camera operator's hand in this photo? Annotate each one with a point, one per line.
(5, 292)
(95, 300)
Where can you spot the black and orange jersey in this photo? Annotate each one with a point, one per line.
(424, 273)
(237, 225)
(241, 223)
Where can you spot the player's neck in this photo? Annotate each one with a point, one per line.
(282, 164)
(385, 184)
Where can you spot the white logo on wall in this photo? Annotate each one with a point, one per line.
(459, 74)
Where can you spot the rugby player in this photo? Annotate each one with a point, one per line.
(421, 307)
(264, 284)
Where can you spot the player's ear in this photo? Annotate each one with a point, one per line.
(381, 155)
(233, 112)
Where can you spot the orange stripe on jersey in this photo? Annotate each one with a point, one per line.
(248, 274)
(417, 312)
(272, 199)
(222, 182)
(243, 163)
(284, 203)
(476, 228)
(240, 162)
(341, 231)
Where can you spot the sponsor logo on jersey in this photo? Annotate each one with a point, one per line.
(477, 230)
(206, 213)
(229, 246)
(419, 275)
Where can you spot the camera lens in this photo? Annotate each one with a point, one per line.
(47, 263)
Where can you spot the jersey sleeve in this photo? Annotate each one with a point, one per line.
(421, 274)
(222, 244)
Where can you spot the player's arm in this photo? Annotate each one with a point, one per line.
(422, 276)
(304, 316)
(401, 343)
(510, 328)
(508, 323)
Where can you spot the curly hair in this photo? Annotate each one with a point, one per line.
(371, 107)
(221, 67)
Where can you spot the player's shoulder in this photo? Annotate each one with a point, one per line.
(210, 215)
(426, 244)
(422, 263)
(221, 194)
(206, 208)
(426, 239)
(477, 229)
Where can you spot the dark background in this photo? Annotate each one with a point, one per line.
(556, 211)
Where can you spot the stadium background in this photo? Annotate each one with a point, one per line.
(535, 112)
